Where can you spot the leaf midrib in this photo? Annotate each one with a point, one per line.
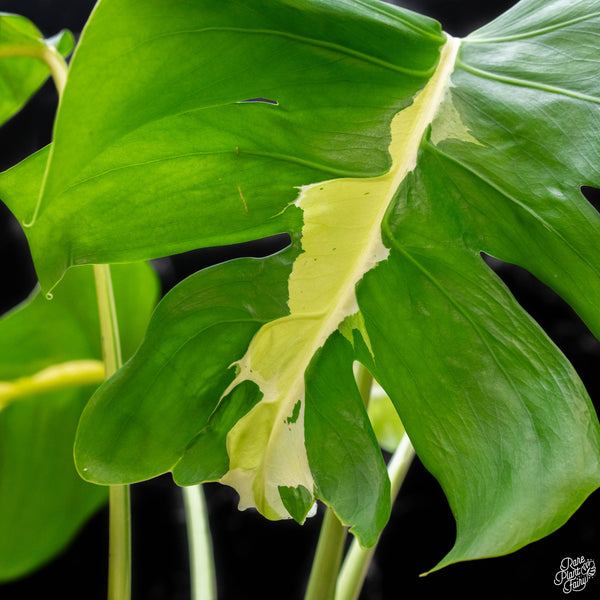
(407, 161)
(254, 366)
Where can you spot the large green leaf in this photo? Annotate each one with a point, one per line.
(49, 365)
(392, 206)
(24, 59)
(166, 159)
(199, 329)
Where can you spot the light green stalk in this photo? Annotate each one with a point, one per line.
(47, 54)
(328, 558)
(119, 545)
(73, 373)
(202, 568)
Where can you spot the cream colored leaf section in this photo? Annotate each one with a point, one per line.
(448, 125)
(341, 241)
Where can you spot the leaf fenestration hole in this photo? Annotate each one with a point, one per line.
(592, 195)
(259, 101)
(560, 322)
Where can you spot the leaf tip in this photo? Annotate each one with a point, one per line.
(298, 501)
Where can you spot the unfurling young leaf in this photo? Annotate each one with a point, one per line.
(395, 156)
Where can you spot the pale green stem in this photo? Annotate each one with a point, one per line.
(328, 558)
(119, 545)
(109, 327)
(356, 565)
(202, 568)
(58, 69)
(47, 54)
(74, 373)
(330, 547)
(364, 381)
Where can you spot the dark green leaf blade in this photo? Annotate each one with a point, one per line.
(170, 388)
(179, 157)
(529, 97)
(297, 500)
(510, 432)
(206, 457)
(43, 502)
(343, 454)
(173, 397)
(499, 172)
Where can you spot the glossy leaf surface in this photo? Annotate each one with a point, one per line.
(140, 136)
(43, 501)
(391, 206)
(23, 60)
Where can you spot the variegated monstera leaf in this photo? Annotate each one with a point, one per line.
(394, 155)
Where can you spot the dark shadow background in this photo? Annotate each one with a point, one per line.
(257, 558)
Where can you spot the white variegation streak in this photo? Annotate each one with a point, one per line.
(341, 241)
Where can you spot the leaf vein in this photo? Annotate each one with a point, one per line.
(536, 216)
(527, 84)
(332, 46)
(529, 34)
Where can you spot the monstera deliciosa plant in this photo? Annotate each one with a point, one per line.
(397, 158)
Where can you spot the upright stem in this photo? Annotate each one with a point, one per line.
(119, 545)
(202, 568)
(356, 565)
(364, 381)
(328, 558)
(109, 327)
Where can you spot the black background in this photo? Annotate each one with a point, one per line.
(257, 558)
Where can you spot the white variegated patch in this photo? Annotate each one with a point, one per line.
(341, 241)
